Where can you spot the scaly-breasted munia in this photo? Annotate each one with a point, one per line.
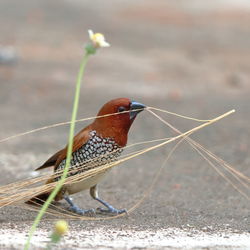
(99, 143)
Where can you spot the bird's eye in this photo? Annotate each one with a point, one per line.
(121, 109)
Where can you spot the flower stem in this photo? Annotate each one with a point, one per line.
(69, 152)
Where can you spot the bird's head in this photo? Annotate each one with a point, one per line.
(117, 126)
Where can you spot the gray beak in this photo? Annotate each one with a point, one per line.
(135, 108)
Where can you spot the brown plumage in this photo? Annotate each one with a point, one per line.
(100, 142)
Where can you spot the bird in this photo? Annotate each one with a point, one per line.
(99, 143)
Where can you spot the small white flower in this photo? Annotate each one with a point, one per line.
(98, 39)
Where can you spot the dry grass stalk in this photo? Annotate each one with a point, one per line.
(16, 193)
(20, 191)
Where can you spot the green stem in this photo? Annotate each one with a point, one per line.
(69, 152)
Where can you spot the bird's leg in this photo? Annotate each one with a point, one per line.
(111, 210)
(74, 208)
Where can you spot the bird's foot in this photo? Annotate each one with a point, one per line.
(111, 210)
(75, 209)
(80, 211)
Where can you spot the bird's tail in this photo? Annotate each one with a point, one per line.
(39, 199)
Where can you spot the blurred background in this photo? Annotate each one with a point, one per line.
(190, 57)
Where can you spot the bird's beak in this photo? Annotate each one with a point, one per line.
(135, 109)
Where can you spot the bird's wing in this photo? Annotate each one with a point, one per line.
(79, 140)
(51, 161)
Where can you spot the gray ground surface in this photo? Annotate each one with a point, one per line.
(192, 59)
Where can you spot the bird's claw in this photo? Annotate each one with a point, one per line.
(77, 210)
(111, 210)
